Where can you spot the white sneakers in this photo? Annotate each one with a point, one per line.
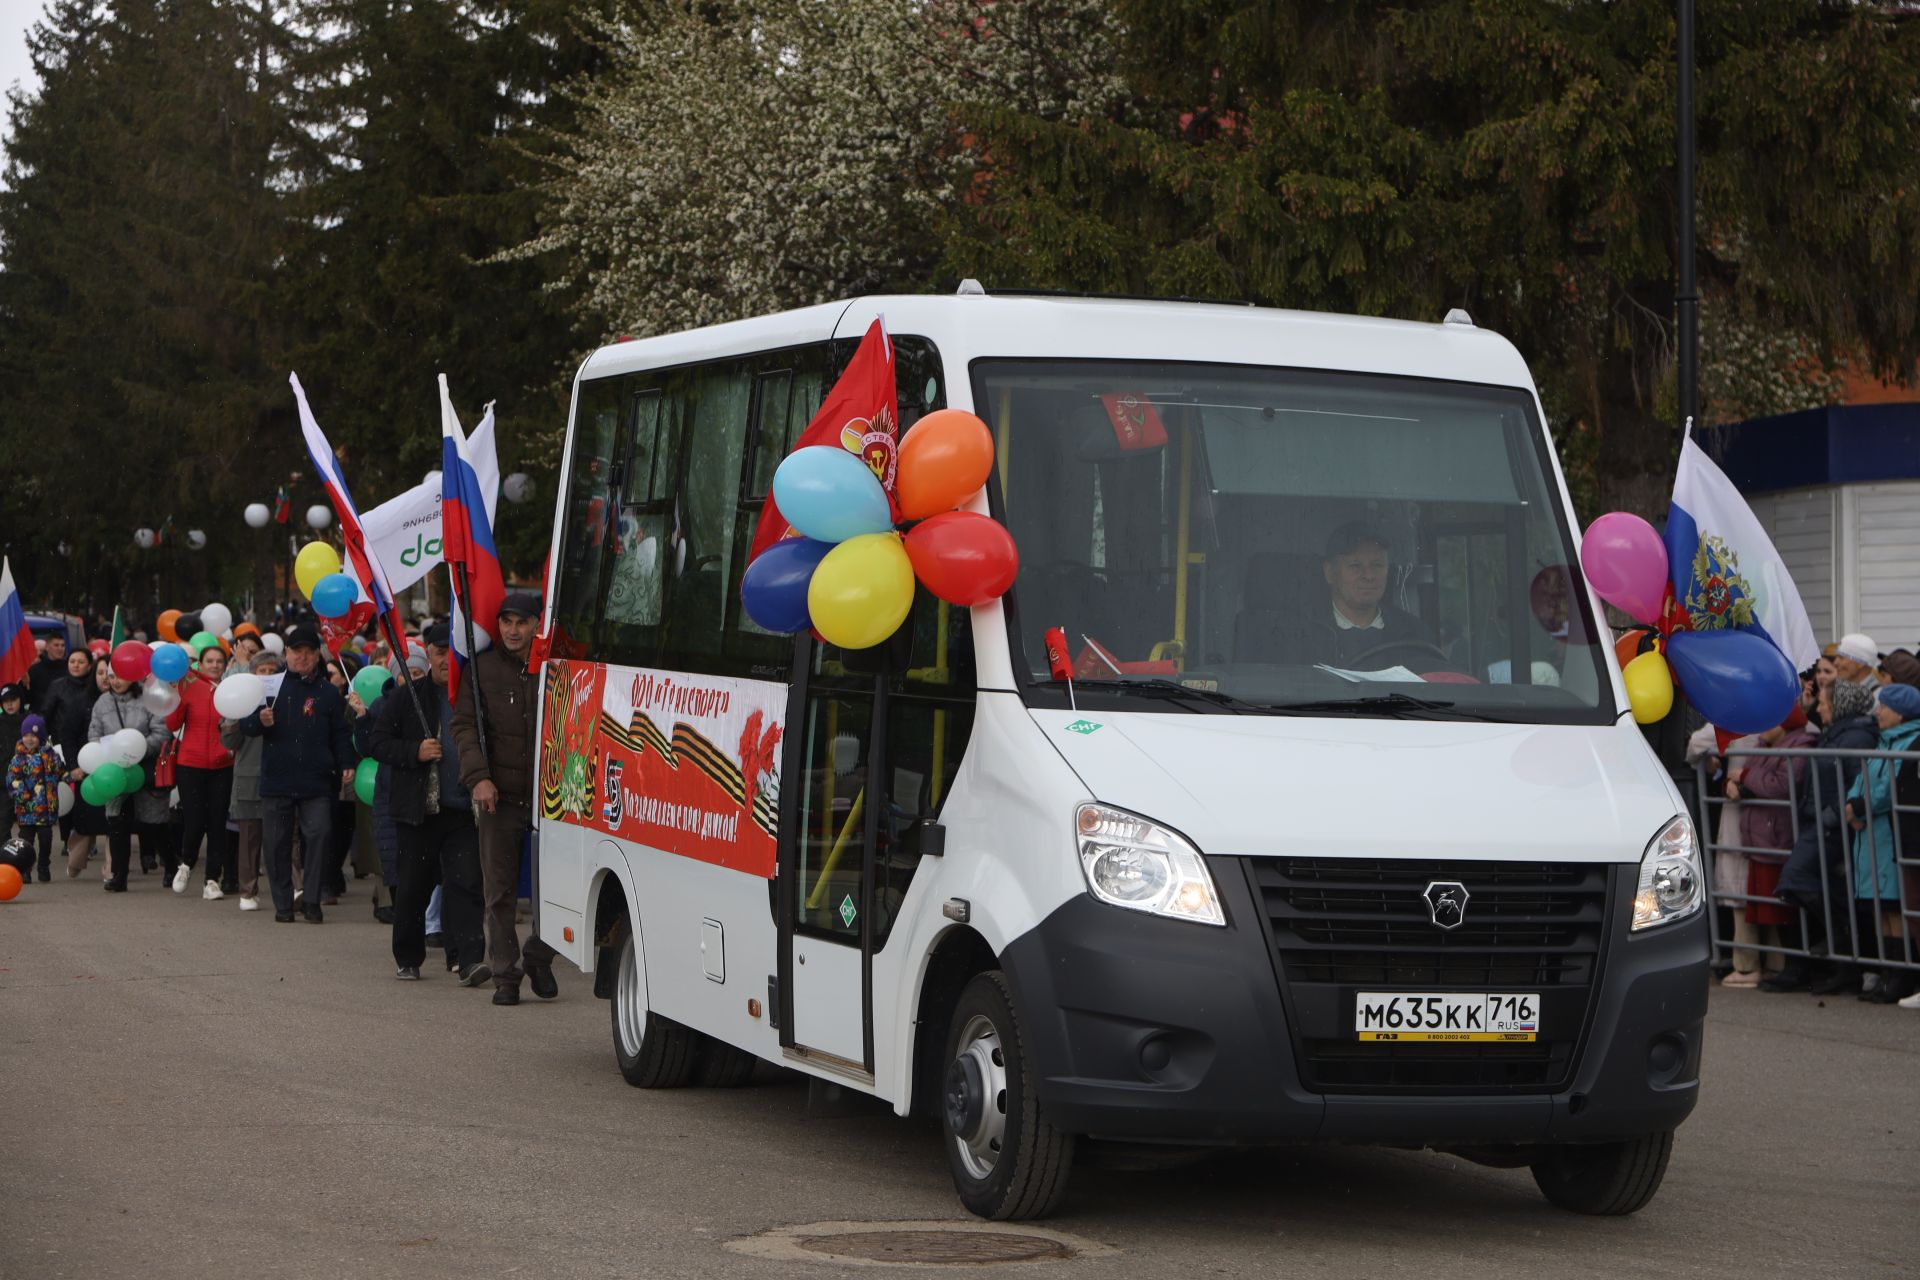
(212, 891)
(180, 878)
(249, 904)
(1911, 1002)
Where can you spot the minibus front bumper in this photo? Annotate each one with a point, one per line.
(1146, 1029)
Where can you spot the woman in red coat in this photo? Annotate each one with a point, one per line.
(204, 777)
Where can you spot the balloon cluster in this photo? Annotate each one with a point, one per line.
(850, 574)
(164, 662)
(113, 766)
(332, 591)
(1737, 678)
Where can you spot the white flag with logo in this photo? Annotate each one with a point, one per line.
(405, 531)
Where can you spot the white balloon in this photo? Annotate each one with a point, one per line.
(319, 517)
(517, 487)
(273, 643)
(91, 757)
(196, 540)
(431, 479)
(217, 618)
(66, 799)
(238, 695)
(257, 515)
(143, 538)
(159, 697)
(126, 746)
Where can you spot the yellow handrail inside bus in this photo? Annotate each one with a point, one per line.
(839, 848)
(1185, 536)
(1005, 422)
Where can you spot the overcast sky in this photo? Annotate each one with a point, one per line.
(15, 17)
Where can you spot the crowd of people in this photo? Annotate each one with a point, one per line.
(1816, 854)
(274, 791)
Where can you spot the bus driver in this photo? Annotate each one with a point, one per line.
(1357, 619)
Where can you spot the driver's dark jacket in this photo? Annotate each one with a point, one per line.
(1306, 641)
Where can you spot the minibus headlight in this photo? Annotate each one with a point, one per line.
(1672, 885)
(1130, 862)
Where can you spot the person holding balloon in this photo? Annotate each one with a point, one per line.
(122, 715)
(33, 784)
(244, 800)
(204, 776)
(13, 710)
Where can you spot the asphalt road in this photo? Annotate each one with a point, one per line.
(192, 1092)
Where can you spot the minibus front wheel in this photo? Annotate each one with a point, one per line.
(654, 1052)
(1604, 1178)
(1007, 1160)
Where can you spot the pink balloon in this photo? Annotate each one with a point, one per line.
(1626, 562)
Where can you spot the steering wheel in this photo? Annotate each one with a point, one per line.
(1393, 646)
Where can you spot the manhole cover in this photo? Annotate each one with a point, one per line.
(917, 1244)
(943, 1248)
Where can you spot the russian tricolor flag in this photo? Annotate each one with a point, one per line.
(18, 654)
(466, 542)
(366, 567)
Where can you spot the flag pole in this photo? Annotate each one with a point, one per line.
(399, 643)
(479, 701)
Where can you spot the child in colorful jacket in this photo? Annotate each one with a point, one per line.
(33, 782)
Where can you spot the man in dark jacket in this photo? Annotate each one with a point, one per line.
(1356, 624)
(13, 710)
(432, 813)
(307, 758)
(46, 669)
(501, 779)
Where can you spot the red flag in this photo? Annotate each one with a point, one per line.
(1136, 423)
(337, 631)
(859, 415)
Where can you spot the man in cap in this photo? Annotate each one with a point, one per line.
(432, 814)
(47, 668)
(501, 779)
(306, 759)
(1856, 658)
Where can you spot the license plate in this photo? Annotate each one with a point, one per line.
(1446, 1015)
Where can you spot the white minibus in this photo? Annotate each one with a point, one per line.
(1329, 822)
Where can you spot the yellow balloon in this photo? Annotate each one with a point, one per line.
(315, 561)
(861, 591)
(1649, 687)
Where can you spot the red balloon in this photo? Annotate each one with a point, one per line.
(9, 882)
(963, 557)
(132, 660)
(98, 648)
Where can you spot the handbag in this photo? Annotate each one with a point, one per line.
(165, 764)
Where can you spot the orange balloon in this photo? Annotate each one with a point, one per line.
(1627, 647)
(165, 625)
(944, 458)
(9, 882)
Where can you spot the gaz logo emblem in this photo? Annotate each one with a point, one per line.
(1447, 903)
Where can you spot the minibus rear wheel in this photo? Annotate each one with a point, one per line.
(1008, 1162)
(719, 1065)
(654, 1052)
(1608, 1178)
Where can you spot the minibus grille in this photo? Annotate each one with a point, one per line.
(1338, 926)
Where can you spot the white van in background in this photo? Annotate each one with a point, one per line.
(1341, 829)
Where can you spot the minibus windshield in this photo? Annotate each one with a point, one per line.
(1294, 542)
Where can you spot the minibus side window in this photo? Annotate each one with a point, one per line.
(589, 514)
(643, 528)
(717, 400)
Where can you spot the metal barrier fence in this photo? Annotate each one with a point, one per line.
(1878, 929)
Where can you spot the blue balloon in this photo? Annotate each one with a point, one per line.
(1739, 680)
(774, 589)
(170, 663)
(830, 495)
(334, 594)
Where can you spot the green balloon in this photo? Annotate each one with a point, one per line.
(370, 682)
(113, 779)
(92, 790)
(202, 641)
(136, 778)
(363, 775)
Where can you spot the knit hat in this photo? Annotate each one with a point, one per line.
(13, 691)
(35, 725)
(1860, 648)
(1903, 698)
(1851, 698)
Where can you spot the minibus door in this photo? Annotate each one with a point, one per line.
(836, 754)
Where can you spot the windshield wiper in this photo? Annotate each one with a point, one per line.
(1160, 687)
(1398, 706)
